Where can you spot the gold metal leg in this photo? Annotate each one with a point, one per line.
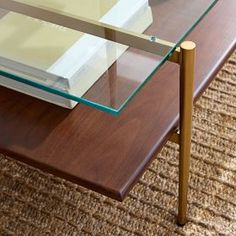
(187, 61)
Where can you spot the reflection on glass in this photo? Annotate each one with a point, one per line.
(77, 57)
(88, 69)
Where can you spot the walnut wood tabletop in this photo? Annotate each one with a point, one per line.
(109, 153)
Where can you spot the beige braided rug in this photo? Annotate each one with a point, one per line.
(35, 203)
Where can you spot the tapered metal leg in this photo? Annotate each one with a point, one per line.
(187, 61)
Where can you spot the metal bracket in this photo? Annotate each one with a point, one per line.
(175, 138)
(140, 41)
(184, 56)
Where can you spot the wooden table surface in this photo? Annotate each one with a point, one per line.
(107, 153)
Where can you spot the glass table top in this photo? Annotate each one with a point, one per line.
(96, 52)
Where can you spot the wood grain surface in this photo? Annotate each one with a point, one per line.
(103, 152)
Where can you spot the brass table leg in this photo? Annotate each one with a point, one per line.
(187, 60)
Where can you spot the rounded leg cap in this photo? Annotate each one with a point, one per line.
(181, 222)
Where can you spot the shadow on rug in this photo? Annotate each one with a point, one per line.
(35, 203)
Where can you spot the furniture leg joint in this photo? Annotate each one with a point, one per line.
(175, 138)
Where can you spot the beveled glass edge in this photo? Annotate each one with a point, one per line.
(61, 93)
(167, 57)
(29, 71)
(100, 106)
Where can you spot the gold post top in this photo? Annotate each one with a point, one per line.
(188, 45)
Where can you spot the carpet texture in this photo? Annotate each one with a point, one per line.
(35, 203)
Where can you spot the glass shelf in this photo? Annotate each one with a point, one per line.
(96, 52)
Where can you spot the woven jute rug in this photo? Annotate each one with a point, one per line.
(35, 203)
